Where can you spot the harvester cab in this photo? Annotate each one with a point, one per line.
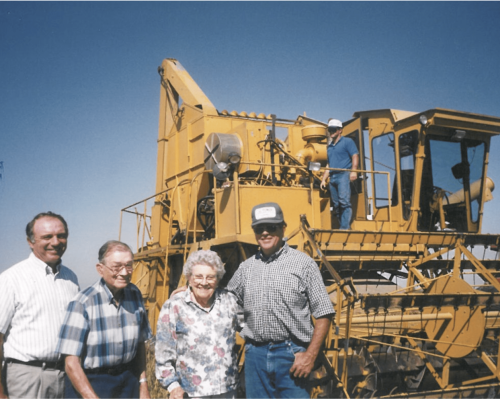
(423, 171)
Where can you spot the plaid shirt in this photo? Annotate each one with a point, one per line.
(102, 333)
(279, 294)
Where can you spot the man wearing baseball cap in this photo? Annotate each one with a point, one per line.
(280, 289)
(342, 155)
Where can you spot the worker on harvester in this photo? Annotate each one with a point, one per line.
(344, 155)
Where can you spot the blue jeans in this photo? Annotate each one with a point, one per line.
(267, 372)
(340, 190)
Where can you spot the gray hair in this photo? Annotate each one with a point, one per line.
(204, 257)
(112, 245)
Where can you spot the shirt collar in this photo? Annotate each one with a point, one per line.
(274, 256)
(188, 299)
(335, 144)
(109, 295)
(42, 264)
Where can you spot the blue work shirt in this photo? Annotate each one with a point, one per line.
(340, 154)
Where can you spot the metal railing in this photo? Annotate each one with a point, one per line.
(143, 219)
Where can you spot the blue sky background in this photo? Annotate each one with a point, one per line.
(79, 89)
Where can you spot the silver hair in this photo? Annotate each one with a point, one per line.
(204, 257)
(111, 245)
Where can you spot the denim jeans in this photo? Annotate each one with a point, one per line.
(267, 372)
(340, 190)
(123, 386)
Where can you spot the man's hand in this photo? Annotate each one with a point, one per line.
(353, 176)
(179, 290)
(303, 365)
(304, 361)
(177, 393)
(322, 185)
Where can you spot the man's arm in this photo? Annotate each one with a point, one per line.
(326, 174)
(304, 361)
(141, 367)
(2, 391)
(355, 165)
(178, 290)
(78, 378)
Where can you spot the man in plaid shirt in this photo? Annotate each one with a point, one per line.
(104, 332)
(280, 288)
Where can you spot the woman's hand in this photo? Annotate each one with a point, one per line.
(177, 393)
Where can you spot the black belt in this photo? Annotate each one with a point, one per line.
(258, 344)
(115, 370)
(37, 363)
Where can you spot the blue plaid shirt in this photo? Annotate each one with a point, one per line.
(100, 332)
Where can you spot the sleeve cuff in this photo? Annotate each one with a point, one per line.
(173, 385)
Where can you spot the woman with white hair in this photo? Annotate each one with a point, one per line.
(196, 334)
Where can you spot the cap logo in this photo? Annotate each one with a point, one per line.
(265, 212)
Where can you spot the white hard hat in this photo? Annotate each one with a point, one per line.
(335, 122)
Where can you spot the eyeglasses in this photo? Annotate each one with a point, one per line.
(201, 278)
(333, 129)
(268, 228)
(117, 268)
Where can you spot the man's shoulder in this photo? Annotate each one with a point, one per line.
(291, 252)
(67, 272)
(12, 269)
(177, 299)
(88, 294)
(349, 142)
(134, 290)
(297, 261)
(227, 295)
(17, 272)
(248, 262)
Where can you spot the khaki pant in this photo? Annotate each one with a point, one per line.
(29, 382)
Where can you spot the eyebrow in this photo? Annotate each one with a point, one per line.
(59, 235)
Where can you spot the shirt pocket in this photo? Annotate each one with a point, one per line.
(132, 325)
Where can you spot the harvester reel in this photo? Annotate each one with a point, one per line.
(462, 334)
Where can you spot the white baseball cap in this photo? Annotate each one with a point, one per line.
(335, 122)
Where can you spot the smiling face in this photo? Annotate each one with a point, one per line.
(116, 269)
(203, 282)
(50, 240)
(269, 237)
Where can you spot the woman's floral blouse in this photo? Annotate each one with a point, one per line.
(195, 347)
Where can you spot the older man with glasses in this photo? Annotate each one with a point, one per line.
(280, 288)
(104, 332)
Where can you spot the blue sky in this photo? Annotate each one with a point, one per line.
(79, 89)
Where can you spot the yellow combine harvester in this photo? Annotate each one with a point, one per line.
(417, 308)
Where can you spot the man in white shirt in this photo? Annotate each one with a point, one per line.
(34, 295)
